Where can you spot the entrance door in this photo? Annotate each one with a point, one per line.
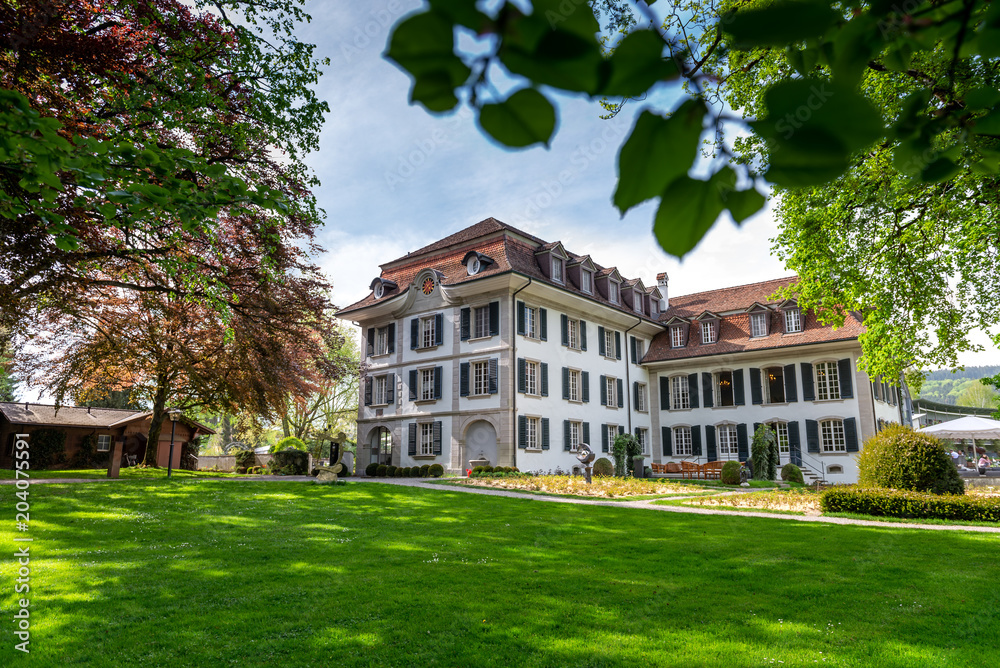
(381, 446)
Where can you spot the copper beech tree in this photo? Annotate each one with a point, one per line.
(178, 351)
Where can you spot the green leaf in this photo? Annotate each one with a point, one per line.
(939, 170)
(911, 116)
(988, 124)
(657, 151)
(981, 98)
(636, 64)
(744, 203)
(570, 15)
(911, 157)
(689, 208)
(434, 91)
(779, 24)
(463, 13)
(523, 119)
(424, 44)
(856, 44)
(559, 59)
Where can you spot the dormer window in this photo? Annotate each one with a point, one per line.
(654, 309)
(758, 324)
(709, 332)
(379, 290)
(793, 321)
(677, 336)
(587, 281)
(476, 262)
(612, 292)
(473, 266)
(557, 269)
(380, 286)
(637, 301)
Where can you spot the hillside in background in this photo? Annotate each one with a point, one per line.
(947, 385)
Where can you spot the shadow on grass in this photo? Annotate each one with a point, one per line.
(367, 574)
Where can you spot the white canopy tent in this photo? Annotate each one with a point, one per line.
(970, 426)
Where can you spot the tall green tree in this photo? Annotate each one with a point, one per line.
(877, 123)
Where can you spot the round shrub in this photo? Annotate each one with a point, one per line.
(478, 469)
(382, 471)
(406, 472)
(604, 467)
(288, 443)
(435, 471)
(900, 458)
(371, 469)
(488, 469)
(792, 473)
(390, 471)
(424, 469)
(415, 472)
(730, 473)
(400, 471)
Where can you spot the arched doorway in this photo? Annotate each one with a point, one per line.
(481, 441)
(381, 446)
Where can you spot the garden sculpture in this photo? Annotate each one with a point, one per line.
(586, 457)
(329, 473)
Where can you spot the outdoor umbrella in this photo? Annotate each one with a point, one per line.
(970, 426)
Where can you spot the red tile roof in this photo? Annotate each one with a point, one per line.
(511, 249)
(734, 329)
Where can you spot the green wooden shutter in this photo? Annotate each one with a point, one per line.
(844, 375)
(664, 393)
(632, 345)
(851, 434)
(756, 388)
(564, 328)
(618, 345)
(566, 439)
(586, 433)
(601, 348)
(808, 388)
(696, 441)
(693, 391)
(466, 324)
(791, 390)
(742, 444)
(494, 373)
(707, 390)
(543, 324)
(390, 388)
(621, 393)
(583, 335)
(391, 335)
(585, 389)
(368, 391)
(812, 436)
(667, 441)
(545, 433)
(739, 392)
(521, 374)
(604, 391)
(794, 443)
(494, 318)
(522, 428)
(438, 372)
(565, 382)
(413, 385)
(543, 371)
(604, 438)
(621, 430)
(711, 450)
(520, 319)
(438, 329)
(371, 341)
(437, 438)
(463, 379)
(414, 333)
(411, 443)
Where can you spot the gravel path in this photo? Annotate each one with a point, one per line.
(645, 504)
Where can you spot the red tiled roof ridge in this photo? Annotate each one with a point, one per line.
(734, 287)
(29, 404)
(473, 232)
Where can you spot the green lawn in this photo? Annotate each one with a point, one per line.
(130, 473)
(159, 573)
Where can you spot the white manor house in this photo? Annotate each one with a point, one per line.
(494, 344)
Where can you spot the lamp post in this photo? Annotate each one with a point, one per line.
(174, 414)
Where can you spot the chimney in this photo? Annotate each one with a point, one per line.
(661, 283)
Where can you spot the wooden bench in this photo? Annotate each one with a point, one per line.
(711, 470)
(690, 470)
(658, 468)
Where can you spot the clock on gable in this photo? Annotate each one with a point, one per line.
(428, 286)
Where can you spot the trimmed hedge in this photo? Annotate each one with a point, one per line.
(381, 471)
(730, 473)
(415, 472)
(901, 458)
(603, 467)
(792, 473)
(390, 471)
(371, 469)
(424, 469)
(435, 471)
(906, 504)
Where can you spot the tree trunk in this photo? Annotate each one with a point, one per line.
(153, 440)
(284, 426)
(227, 430)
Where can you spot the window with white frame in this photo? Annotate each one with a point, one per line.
(724, 389)
(609, 343)
(642, 435)
(381, 391)
(612, 292)
(426, 385)
(640, 397)
(103, 442)
(774, 385)
(709, 332)
(481, 377)
(531, 377)
(480, 322)
(827, 381)
(575, 435)
(586, 281)
(793, 321)
(640, 350)
(612, 434)
(573, 333)
(557, 270)
(611, 385)
(574, 385)
(531, 322)
(425, 445)
(728, 446)
(680, 393)
(780, 430)
(381, 341)
(831, 436)
(682, 441)
(677, 336)
(531, 431)
(758, 324)
(637, 301)
(427, 331)
(654, 308)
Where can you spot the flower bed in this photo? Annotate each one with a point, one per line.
(786, 500)
(577, 486)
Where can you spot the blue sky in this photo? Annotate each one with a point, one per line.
(396, 178)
